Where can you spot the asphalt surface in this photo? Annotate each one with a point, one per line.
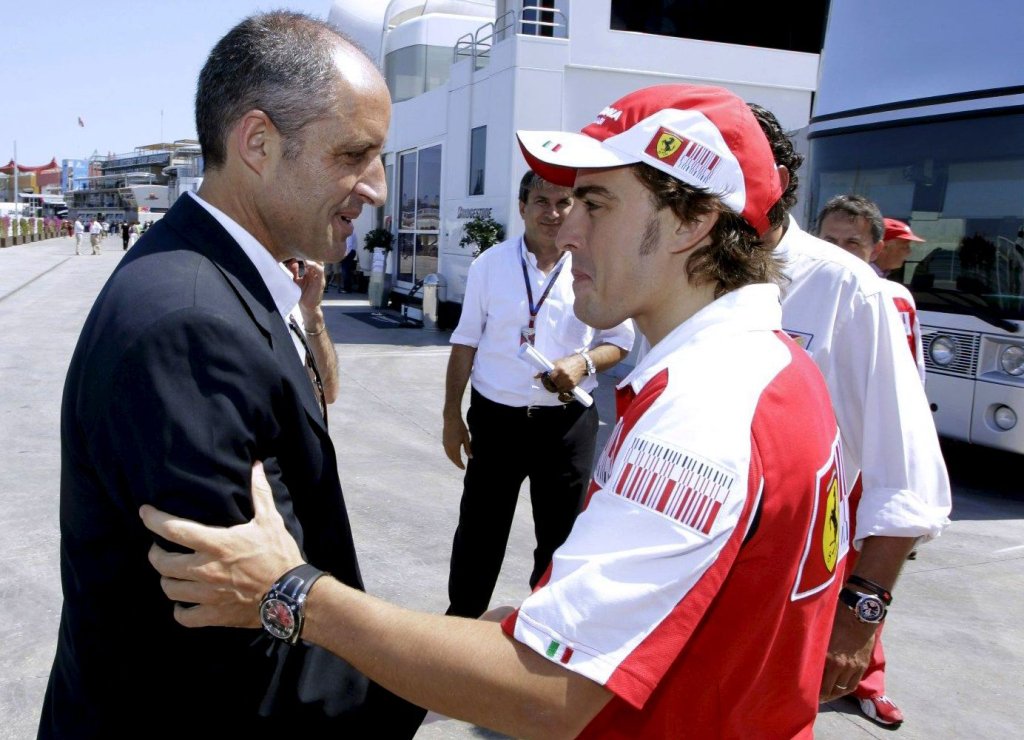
(954, 638)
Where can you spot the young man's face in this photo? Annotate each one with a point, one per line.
(612, 222)
(852, 233)
(544, 212)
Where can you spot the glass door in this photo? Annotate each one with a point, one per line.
(419, 214)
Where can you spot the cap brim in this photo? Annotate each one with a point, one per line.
(557, 155)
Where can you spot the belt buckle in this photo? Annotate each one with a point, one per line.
(530, 410)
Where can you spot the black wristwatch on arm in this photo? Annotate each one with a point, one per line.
(283, 609)
(870, 607)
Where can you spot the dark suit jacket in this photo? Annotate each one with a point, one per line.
(184, 375)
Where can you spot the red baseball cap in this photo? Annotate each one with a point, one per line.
(898, 230)
(705, 136)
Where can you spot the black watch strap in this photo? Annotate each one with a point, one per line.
(883, 593)
(297, 582)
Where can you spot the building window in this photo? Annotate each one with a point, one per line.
(419, 208)
(477, 160)
(414, 70)
(758, 25)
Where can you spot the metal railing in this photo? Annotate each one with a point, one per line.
(477, 46)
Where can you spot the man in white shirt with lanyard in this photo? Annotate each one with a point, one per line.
(520, 425)
(835, 307)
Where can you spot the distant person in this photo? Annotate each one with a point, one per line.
(78, 229)
(348, 263)
(898, 243)
(855, 224)
(125, 234)
(95, 236)
(133, 234)
(520, 425)
(190, 366)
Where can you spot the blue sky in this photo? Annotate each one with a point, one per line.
(115, 63)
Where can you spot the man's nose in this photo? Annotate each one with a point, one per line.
(570, 232)
(372, 186)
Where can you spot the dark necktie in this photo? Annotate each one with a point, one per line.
(311, 368)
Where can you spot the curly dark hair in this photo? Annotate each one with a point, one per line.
(736, 256)
(785, 155)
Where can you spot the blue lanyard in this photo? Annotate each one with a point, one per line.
(547, 289)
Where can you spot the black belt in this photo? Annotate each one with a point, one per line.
(530, 412)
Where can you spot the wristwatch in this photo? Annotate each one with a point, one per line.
(868, 608)
(282, 610)
(591, 368)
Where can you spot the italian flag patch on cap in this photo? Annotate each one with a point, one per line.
(557, 651)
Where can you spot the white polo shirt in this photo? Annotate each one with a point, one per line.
(839, 311)
(275, 276)
(494, 310)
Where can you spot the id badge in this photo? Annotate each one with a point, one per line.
(526, 335)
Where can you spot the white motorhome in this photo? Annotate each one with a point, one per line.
(920, 108)
(464, 75)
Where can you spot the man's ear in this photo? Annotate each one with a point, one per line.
(688, 235)
(522, 210)
(256, 140)
(783, 171)
(876, 251)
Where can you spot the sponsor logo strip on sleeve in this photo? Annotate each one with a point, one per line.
(673, 483)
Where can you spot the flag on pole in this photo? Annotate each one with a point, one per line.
(81, 122)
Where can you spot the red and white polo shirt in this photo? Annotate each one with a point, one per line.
(699, 585)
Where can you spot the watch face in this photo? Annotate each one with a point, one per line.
(277, 618)
(870, 609)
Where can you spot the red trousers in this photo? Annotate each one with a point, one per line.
(872, 683)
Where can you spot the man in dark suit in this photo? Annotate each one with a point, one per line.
(188, 369)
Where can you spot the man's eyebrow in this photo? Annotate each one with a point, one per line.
(599, 190)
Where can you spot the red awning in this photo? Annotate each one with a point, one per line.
(8, 168)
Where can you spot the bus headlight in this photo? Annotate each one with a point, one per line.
(1005, 418)
(942, 350)
(1012, 360)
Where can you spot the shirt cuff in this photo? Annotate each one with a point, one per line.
(464, 339)
(894, 512)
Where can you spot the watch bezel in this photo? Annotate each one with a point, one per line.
(873, 602)
(273, 600)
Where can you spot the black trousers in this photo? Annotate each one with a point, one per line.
(554, 448)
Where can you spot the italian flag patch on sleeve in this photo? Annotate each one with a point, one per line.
(558, 651)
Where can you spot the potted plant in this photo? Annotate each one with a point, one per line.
(484, 232)
(5, 229)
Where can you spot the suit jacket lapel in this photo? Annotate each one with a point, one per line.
(194, 224)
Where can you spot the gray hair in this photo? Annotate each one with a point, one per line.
(281, 63)
(532, 180)
(854, 206)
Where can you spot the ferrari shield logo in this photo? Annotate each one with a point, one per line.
(828, 536)
(666, 146)
(830, 525)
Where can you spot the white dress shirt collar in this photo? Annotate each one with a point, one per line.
(275, 276)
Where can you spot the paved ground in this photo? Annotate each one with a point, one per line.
(955, 638)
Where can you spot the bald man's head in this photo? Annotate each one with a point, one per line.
(283, 63)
